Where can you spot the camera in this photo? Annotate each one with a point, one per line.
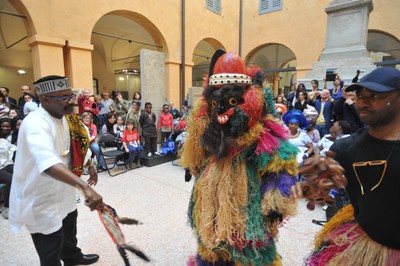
(331, 74)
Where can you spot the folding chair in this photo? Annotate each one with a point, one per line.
(112, 155)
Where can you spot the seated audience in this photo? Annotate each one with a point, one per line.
(8, 99)
(108, 128)
(313, 134)
(119, 127)
(87, 119)
(13, 113)
(131, 144)
(297, 122)
(6, 171)
(5, 128)
(4, 106)
(121, 105)
(85, 104)
(176, 115)
(340, 129)
(31, 104)
(15, 125)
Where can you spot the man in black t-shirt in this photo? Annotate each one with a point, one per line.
(369, 228)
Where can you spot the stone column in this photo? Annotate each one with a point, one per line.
(346, 39)
(47, 56)
(78, 65)
(152, 79)
(172, 74)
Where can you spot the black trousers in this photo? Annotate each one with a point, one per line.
(6, 178)
(150, 144)
(164, 137)
(60, 245)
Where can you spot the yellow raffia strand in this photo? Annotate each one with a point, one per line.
(212, 256)
(276, 165)
(251, 136)
(277, 262)
(193, 153)
(273, 200)
(220, 213)
(344, 215)
(363, 251)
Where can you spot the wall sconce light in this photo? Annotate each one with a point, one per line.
(128, 71)
(21, 72)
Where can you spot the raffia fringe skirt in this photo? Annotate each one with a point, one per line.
(343, 242)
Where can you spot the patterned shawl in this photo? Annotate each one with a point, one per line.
(79, 142)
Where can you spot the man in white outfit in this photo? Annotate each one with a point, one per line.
(43, 195)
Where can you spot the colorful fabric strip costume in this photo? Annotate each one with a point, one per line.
(244, 168)
(343, 242)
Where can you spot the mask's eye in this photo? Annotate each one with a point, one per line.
(214, 104)
(233, 101)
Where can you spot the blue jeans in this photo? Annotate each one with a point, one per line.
(95, 148)
(135, 152)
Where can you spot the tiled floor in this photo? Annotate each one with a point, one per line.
(158, 197)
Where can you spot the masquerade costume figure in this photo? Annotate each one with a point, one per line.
(243, 166)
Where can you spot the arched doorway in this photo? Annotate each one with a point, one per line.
(202, 55)
(383, 48)
(278, 62)
(118, 38)
(15, 56)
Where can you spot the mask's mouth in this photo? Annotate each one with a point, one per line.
(223, 118)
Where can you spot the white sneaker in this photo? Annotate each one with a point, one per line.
(149, 154)
(157, 153)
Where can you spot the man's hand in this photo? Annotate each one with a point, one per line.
(332, 137)
(349, 101)
(295, 192)
(92, 181)
(92, 199)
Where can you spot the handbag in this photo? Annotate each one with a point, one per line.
(166, 129)
(168, 146)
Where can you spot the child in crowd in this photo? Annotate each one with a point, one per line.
(131, 143)
(165, 124)
(313, 134)
(147, 121)
(119, 127)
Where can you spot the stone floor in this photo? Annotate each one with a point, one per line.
(158, 197)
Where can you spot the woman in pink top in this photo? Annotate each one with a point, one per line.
(165, 124)
(87, 119)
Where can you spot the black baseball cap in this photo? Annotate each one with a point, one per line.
(383, 79)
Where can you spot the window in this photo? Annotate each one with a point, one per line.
(95, 86)
(267, 6)
(214, 6)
